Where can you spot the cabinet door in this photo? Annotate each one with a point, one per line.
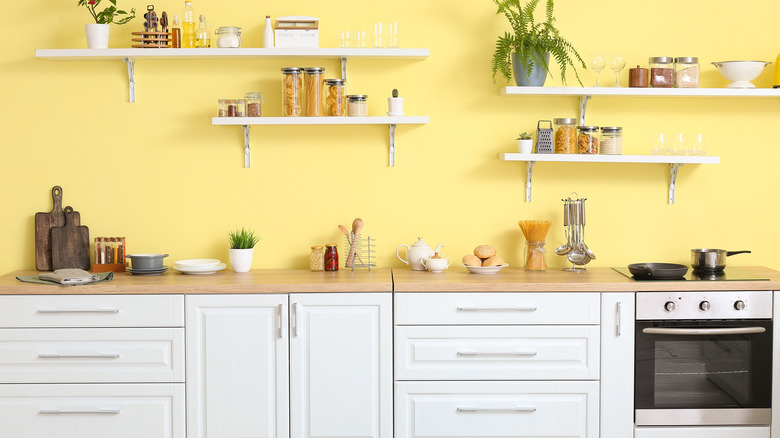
(617, 365)
(341, 365)
(237, 366)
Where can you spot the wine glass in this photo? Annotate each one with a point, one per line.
(659, 148)
(597, 63)
(617, 64)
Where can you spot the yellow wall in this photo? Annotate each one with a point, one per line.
(159, 173)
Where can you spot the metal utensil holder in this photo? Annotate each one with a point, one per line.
(578, 254)
(365, 252)
(544, 138)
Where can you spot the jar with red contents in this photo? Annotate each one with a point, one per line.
(331, 257)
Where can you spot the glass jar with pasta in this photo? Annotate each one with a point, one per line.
(587, 139)
(335, 97)
(292, 92)
(313, 84)
(565, 136)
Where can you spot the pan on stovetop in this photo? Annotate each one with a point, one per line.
(657, 271)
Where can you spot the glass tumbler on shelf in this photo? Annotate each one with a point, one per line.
(678, 146)
(535, 256)
(660, 147)
(697, 147)
(391, 39)
(379, 36)
(292, 92)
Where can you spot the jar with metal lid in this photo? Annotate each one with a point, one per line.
(317, 258)
(331, 257)
(228, 36)
(611, 140)
(313, 84)
(292, 92)
(662, 72)
(587, 139)
(357, 105)
(686, 72)
(565, 135)
(335, 97)
(222, 107)
(254, 104)
(232, 107)
(240, 107)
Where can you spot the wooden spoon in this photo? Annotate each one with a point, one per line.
(349, 240)
(357, 227)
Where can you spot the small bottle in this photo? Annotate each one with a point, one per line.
(176, 32)
(331, 257)
(317, 259)
(202, 37)
(268, 33)
(188, 26)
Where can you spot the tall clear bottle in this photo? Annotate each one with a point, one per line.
(202, 37)
(176, 32)
(188, 26)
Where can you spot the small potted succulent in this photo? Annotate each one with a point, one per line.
(395, 104)
(525, 143)
(97, 32)
(242, 246)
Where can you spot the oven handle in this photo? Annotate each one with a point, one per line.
(714, 331)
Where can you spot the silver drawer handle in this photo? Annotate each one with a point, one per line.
(96, 411)
(497, 309)
(78, 310)
(517, 409)
(713, 331)
(496, 353)
(79, 356)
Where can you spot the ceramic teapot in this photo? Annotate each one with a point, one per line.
(414, 254)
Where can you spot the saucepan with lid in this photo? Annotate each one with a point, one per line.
(711, 260)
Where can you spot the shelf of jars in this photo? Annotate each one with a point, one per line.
(390, 121)
(674, 162)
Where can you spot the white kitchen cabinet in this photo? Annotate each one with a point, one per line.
(341, 378)
(617, 365)
(776, 365)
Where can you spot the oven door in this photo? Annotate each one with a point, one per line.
(703, 372)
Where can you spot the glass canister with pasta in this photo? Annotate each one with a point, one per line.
(292, 91)
(335, 97)
(313, 83)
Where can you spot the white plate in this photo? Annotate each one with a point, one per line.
(197, 263)
(485, 270)
(203, 271)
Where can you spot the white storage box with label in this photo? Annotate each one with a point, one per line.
(297, 32)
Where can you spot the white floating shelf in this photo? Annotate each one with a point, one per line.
(646, 92)
(229, 53)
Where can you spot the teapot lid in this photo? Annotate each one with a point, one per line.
(420, 243)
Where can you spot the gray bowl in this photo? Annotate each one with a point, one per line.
(147, 261)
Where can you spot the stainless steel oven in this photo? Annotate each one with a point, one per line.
(703, 358)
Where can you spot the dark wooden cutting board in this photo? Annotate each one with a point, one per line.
(70, 244)
(44, 222)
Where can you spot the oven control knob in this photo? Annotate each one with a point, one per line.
(704, 305)
(670, 306)
(739, 305)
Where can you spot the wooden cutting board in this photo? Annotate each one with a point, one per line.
(70, 244)
(44, 222)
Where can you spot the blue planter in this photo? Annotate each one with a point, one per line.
(538, 73)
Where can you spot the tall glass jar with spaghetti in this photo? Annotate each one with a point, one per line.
(292, 92)
(335, 97)
(313, 84)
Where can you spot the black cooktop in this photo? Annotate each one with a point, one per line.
(728, 274)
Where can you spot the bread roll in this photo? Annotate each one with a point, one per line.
(493, 261)
(471, 260)
(484, 251)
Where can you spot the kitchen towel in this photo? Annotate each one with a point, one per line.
(98, 278)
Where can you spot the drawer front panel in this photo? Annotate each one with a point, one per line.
(497, 409)
(93, 411)
(703, 432)
(497, 308)
(91, 355)
(92, 311)
(497, 353)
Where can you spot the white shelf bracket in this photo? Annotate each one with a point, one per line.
(344, 68)
(130, 77)
(673, 168)
(583, 107)
(529, 173)
(246, 145)
(391, 156)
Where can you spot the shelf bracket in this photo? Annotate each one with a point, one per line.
(583, 107)
(130, 77)
(673, 168)
(344, 68)
(529, 173)
(391, 157)
(246, 145)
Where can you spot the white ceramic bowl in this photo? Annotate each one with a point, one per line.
(485, 270)
(740, 73)
(197, 263)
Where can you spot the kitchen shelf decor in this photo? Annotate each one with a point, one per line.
(674, 162)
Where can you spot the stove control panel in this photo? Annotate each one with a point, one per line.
(704, 305)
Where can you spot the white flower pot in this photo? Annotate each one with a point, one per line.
(525, 146)
(241, 259)
(97, 35)
(395, 106)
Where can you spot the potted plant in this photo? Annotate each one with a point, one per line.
(525, 143)
(395, 104)
(97, 32)
(242, 246)
(527, 49)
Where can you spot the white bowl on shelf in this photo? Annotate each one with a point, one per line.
(485, 270)
(740, 73)
(197, 263)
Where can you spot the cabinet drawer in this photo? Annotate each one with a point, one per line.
(92, 411)
(708, 432)
(497, 352)
(497, 308)
(92, 311)
(497, 409)
(91, 355)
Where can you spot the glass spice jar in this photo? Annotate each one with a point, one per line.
(292, 92)
(587, 139)
(357, 105)
(331, 257)
(240, 107)
(232, 108)
(336, 99)
(686, 72)
(222, 107)
(317, 259)
(611, 140)
(254, 104)
(662, 72)
(313, 84)
(535, 256)
(565, 133)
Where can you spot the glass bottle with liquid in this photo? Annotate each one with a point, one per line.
(188, 26)
(176, 32)
(202, 37)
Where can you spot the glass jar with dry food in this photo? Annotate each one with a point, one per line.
(317, 258)
(535, 256)
(254, 104)
(357, 105)
(240, 107)
(232, 107)
(331, 257)
(313, 84)
(292, 92)
(611, 140)
(222, 107)
(565, 136)
(686, 72)
(335, 97)
(662, 72)
(587, 139)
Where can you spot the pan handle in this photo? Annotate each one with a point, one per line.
(731, 253)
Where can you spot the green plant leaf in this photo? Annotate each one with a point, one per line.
(242, 239)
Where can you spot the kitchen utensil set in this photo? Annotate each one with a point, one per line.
(577, 252)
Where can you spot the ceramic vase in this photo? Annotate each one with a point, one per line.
(395, 106)
(97, 35)
(525, 146)
(538, 72)
(241, 259)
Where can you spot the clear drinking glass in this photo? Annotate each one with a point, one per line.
(392, 35)
(360, 39)
(678, 146)
(379, 36)
(597, 63)
(660, 147)
(617, 64)
(697, 147)
(345, 39)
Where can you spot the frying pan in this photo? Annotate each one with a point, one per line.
(657, 271)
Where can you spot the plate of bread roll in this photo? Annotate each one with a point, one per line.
(484, 260)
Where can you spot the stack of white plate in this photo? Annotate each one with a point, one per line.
(199, 266)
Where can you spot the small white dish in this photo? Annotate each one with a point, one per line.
(485, 270)
(197, 263)
(200, 271)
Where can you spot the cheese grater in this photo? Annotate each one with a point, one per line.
(544, 138)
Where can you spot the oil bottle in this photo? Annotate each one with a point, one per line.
(188, 26)
(202, 38)
(176, 32)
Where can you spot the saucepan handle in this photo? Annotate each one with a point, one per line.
(731, 253)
